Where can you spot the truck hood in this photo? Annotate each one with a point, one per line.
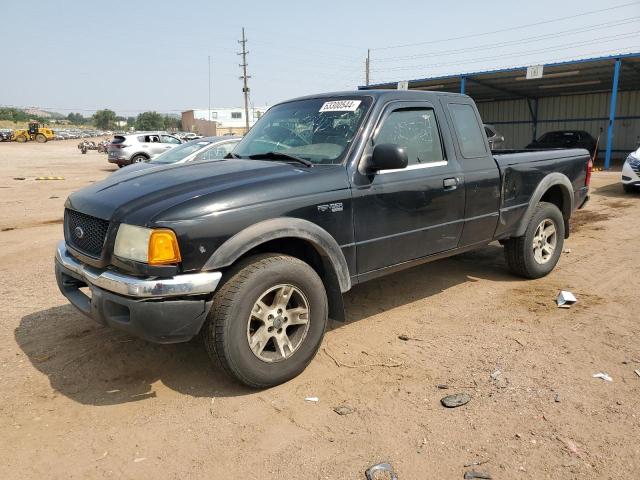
(145, 196)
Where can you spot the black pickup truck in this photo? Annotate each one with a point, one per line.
(254, 251)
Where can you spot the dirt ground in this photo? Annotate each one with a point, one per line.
(81, 401)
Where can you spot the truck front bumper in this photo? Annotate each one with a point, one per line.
(161, 310)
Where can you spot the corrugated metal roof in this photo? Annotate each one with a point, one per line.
(589, 75)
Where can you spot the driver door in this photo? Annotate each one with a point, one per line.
(405, 214)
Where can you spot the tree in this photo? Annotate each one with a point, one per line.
(150, 121)
(104, 119)
(172, 123)
(76, 119)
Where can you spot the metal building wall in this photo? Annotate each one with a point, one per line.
(575, 112)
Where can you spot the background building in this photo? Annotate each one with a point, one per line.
(598, 95)
(223, 120)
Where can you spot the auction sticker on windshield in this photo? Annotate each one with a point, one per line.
(340, 106)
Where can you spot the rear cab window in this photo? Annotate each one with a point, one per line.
(467, 127)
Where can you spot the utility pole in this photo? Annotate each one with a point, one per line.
(245, 78)
(209, 60)
(367, 64)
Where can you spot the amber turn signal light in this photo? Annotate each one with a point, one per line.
(163, 247)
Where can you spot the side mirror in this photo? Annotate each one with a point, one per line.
(387, 156)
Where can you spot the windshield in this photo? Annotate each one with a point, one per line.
(180, 152)
(319, 130)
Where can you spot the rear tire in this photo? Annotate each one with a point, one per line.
(41, 138)
(267, 320)
(536, 253)
(139, 159)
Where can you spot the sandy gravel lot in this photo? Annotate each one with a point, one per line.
(81, 401)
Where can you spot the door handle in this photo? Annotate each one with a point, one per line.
(450, 183)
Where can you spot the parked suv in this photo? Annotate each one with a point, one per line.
(139, 147)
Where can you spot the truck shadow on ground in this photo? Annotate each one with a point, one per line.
(96, 365)
(614, 190)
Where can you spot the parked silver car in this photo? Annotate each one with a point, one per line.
(495, 138)
(208, 148)
(139, 147)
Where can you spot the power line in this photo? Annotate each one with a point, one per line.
(519, 54)
(520, 41)
(585, 55)
(509, 29)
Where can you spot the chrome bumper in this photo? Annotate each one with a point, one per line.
(180, 285)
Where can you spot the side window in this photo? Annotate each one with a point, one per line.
(416, 130)
(488, 132)
(468, 130)
(169, 139)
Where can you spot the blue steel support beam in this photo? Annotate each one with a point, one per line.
(612, 114)
(463, 84)
(535, 120)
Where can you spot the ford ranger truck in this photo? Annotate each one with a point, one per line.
(254, 252)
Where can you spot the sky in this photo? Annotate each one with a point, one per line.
(134, 56)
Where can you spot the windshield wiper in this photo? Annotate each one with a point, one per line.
(232, 155)
(280, 156)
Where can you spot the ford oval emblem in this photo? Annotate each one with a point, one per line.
(78, 232)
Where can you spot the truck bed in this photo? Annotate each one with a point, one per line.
(522, 172)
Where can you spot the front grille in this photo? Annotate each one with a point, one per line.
(84, 232)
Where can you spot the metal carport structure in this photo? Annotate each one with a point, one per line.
(600, 95)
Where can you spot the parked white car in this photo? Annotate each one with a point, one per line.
(208, 148)
(139, 147)
(631, 172)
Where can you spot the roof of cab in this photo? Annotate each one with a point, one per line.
(385, 94)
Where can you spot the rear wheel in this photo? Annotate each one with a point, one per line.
(41, 138)
(537, 252)
(139, 159)
(267, 320)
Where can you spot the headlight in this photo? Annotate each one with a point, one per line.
(149, 245)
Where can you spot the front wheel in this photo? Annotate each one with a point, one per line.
(139, 159)
(628, 188)
(267, 320)
(537, 252)
(21, 139)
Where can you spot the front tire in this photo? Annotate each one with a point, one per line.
(267, 320)
(139, 159)
(536, 253)
(628, 188)
(21, 139)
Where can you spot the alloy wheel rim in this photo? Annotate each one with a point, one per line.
(278, 323)
(544, 241)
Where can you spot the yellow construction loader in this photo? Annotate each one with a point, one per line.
(35, 132)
